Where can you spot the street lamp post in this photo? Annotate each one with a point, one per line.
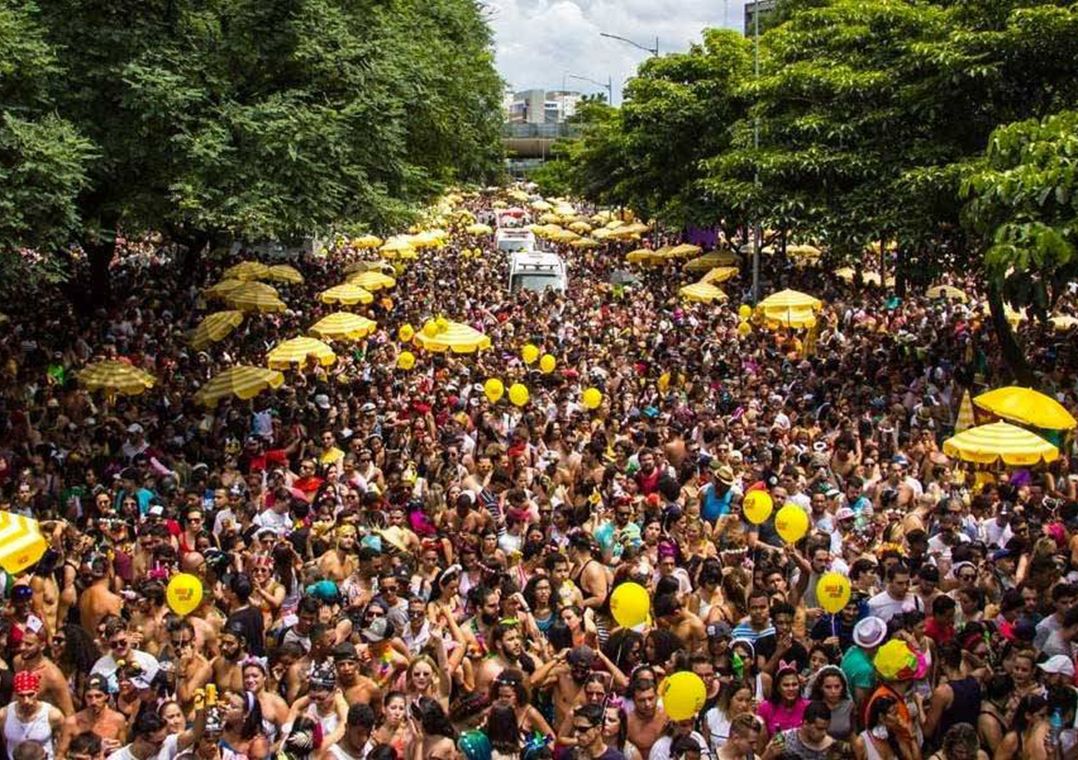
(654, 51)
(756, 232)
(608, 84)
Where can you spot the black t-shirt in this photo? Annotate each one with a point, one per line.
(765, 647)
(250, 620)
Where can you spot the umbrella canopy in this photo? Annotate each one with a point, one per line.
(966, 418)
(255, 296)
(541, 205)
(709, 261)
(719, 274)
(397, 244)
(21, 542)
(213, 328)
(584, 243)
(1062, 324)
(223, 288)
(347, 294)
(242, 381)
(947, 291)
(1028, 406)
(702, 292)
(247, 270)
(803, 252)
(296, 351)
(1000, 441)
(442, 335)
(683, 251)
(845, 273)
(478, 229)
(790, 308)
(367, 241)
(372, 280)
(800, 319)
(644, 256)
(582, 228)
(116, 377)
(284, 273)
(343, 325)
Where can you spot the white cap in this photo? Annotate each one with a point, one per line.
(321, 400)
(134, 428)
(1058, 664)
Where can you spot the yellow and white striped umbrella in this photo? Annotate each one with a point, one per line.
(284, 273)
(243, 381)
(719, 274)
(223, 288)
(367, 241)
(702, 292)
(343, 325)
(683, 251)
(116, 377)
(297, 350)
(21, 542)
(347, 294)
(1000, 441)
(710, 260)
(256, 296)
(213, 328)
(1027, 406)
(247, 270)
(372, 280)
(443, 335)
(582, 243)
(947, 291)
(966, 418)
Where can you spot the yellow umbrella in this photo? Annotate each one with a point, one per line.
(284, 273)
(872, 278)
(223, 288)
(247, 270)
(709, 261)
(702, 292)
(643, 256)
(1062, 324)
(478, 229)
(372, 280)
(845, 273)
(242, 381)
(789, 299)
(213, 328)
(343, 325)
(584, 243)
(255, 296)
(683, 251)
(368, 266)
(966, 419)
(719, 274)
(1028, 406)
(947, 291)
(800, 319)
(1000, 441)
(397, 244)
(541, 205)
(347, 294)
(443, 335)
(564, 236)
(21, 542)
(429, 239)
(803, 251)
(296, 351)
(116, 377)
(367, 241)
(582, 228)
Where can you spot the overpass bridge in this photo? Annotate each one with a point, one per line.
(533, 141)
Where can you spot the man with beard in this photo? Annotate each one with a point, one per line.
(120, 650)
(54, 689)
(228, 665)
(356, 687)
(487, 603)
(353, 745)
(507, 651)
(192, 670)
(568, 671)
(152, 741)
(322, 639)
(339, 562)
(97, 716)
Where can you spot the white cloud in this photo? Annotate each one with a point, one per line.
(540, 42)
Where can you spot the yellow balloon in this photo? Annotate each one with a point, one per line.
(792, 523)
(591, 398)
(494, 389)
(430, 329)
(744, 311)
(744, 329)
(833, 592)
(664, 381)
(406, 360)
(547, 364)
(406, 333)
(757, 506)
(529, 353)
(629, 604)
(518, 394)
(184, 593)
(683, 695)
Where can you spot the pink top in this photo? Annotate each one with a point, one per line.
(780, 717)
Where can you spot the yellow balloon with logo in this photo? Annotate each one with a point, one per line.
(757, 506)
(833, 592)
(493, 389)
(529, 353)
(518, 394)
(183, 593)
(406, 360)
(592, 398)
(547, 364)
(629, 604)
(792, 523)
(683, 695)
(744, 311)
(744, 329)
(406, 332)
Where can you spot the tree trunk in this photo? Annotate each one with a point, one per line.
(1013, 356)
(99, 288)
(901, 266)
(195, 244)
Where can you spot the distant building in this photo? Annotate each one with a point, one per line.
(541, 107)
(764, 8)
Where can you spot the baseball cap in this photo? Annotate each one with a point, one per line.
(134, 428)
(844, 513)
(346, 650)
(719, 631)
(321, 400)
(379, 629)
(97, 682)
(1058, 664)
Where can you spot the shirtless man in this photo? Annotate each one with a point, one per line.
(98, 601)
(98, 717)
(568, 672)
(672, 615)
(149, 614)
(322, 637)
(356, 687)
(227, 666)
(193, 670)
(647, 721)
(340, 562)
(507, 651)
(47, 591)
(53, 686)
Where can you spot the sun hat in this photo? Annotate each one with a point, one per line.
(869, 632)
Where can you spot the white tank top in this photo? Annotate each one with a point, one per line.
(37, 729)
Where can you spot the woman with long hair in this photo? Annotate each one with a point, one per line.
(267, 593)
(438, 737)
(274, 708)
(830, 687)
(424, 680)
(508, 690)
(884, 737)
(242, 724)
(539, 594)
(625, 648)
(1026, 739)
(785, 707)
(394, 730)
(284, 571)
(501, 729)
(445, 595)
(616, 729)
(736, 698)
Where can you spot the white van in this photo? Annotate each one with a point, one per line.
(537, 271)
(511, 240)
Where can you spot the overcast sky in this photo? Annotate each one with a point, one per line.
(540, 42)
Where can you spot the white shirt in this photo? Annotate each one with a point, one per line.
(278, 523)
(169, 749)
(884, 606)
(107, 667)
(660, 750)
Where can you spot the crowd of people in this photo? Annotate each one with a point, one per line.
(396, 568)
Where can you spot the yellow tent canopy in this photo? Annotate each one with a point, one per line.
(116, 377)
(443, 335)
(213, 328)
(21, 542)
(255, 296)
(221, 289)
(347, 294)
(296, 351)
(584, 243)
(702, 292)
(242, 381)
(947, 291)
(372, 281)
(709, 261)
(719, 274)
(367, 241)
(1026, 405)
(247, 270)
(343, 325)
(478, 229)
(284, 273)
(1000, 441)
(683, 251)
